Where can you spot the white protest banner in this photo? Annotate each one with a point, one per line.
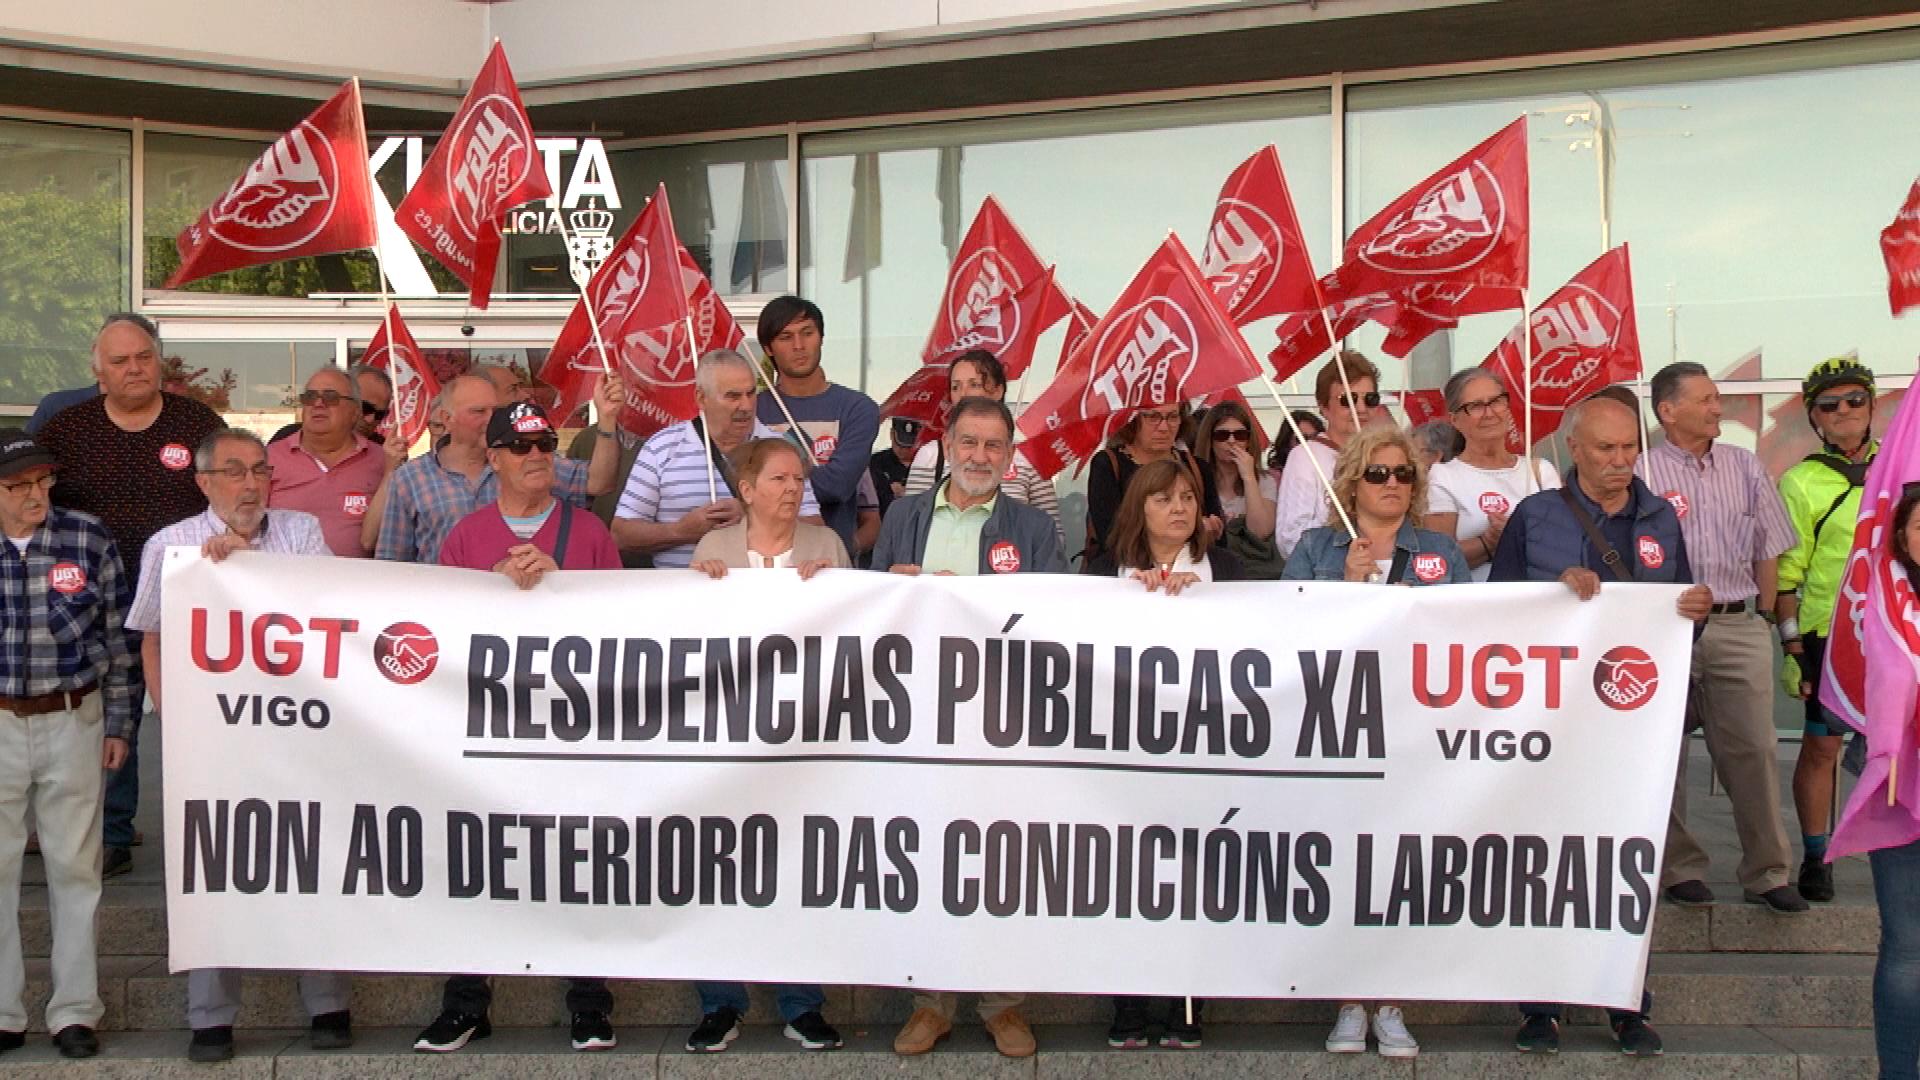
(1053, 784)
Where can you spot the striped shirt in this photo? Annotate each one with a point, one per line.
(428, 500)
(1021, 481)
(670, 479)
(1730, 514)
(283, 532)
(63, 603)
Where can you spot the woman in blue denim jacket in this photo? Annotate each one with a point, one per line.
(1382, 485)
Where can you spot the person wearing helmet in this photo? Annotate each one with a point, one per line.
(1822, 495)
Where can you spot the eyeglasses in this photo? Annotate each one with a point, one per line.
(1221, 434)
(1830, 403)
(1371, 399)
(367, 409)
(546, 444)
(241, 472)
(1481, 408)
(1380, 474)
(329, 398)
(24, 487)
(1171, 416)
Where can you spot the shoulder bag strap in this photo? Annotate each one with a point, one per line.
(1607, 554)
(1399, 568)
(566, 528)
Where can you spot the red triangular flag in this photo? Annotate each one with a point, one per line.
(1465, 223)
(994, 262)
(393, 351)
(1256, 258)
(1900, 247)
(1423, 405)
(485, 165)
(1165, 340)
(1584, 337)
(1424, 310)
(1304, 337)
(308, 194)
(921, 397)
(1008, 326)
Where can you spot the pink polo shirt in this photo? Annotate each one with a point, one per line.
(338, 496)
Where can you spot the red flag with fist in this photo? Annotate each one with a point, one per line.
(485, 165)
(393, 351)
(994, 262)
(1466, 223)
(309, 194)
(1256, 259)
(1584, 338)
(1164, 340)
(1900, 247)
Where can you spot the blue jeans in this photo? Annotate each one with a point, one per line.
(1896, 978)
(794, 1000)
(122, 796)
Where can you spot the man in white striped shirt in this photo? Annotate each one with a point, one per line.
(679, 490)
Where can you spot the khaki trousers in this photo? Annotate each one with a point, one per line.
(1733, 702)
(991, 1005)
(52, 761)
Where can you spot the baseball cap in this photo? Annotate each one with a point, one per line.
(18, 453)
(521, 420)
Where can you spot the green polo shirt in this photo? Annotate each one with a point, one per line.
(953, 540)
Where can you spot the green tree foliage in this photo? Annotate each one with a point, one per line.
(65, 256)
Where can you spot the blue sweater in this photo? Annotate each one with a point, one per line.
(839, 426)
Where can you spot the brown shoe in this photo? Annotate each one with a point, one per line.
(1011, 1035)
(924, 1028)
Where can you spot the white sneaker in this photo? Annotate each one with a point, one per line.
(1349, 1034)
(1390, 1031)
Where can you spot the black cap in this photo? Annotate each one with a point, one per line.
(18, 453)
(520, 420)
(905, 430)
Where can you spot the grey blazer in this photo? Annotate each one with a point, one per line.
(810, 541)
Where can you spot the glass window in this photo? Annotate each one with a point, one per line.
(729, 207)
(251, 383)
(66, 243)
(1751, 184)
(1094, 192)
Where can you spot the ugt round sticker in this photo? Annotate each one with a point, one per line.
(67, 578)
(1004, 557)
(175, 457)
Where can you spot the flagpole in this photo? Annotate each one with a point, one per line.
(1320, 300)
(706, 437)
(379, 263)
(1300, 440)
(586, 302)
(1526, 384)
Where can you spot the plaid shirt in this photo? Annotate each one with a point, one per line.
(428, 499)
(63, 611)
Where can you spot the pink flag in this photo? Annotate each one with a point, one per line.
(1871, 677)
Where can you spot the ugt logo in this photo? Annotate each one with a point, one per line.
(1154, 346)
(285, 198)
(490, 159)
(406, 653)
(1452, 226)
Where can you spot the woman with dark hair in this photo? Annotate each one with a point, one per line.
(1224, 444)
(1159, 535)
(1149, 436)
(978, 373)
(1896, 873)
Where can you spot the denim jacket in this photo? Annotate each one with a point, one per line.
(1432, 558)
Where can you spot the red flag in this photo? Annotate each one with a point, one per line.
(1423, 405)
(1900, 247)
(485, 165)
(993, 263)
(309, 194)
(714, 326)
(1165, 340)
(920, 397)
(1466, 223)
(639, 296)
(414, 386)
(1008, 326)
(1426, 309)
(1304, 337)
(1256, 259)
(1584, 337)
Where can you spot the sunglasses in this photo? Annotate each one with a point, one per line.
(1830, 403)
(1371, 399)
(367, 409)
(329, 398)
(546, 444)
(1221, 434)
(1380, 474)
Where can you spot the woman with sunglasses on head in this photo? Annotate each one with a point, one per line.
(1382, 487)
(1473, 494)
(1349, 406)
(1150, 435)
(977, 373)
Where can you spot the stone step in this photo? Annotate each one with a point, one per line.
(133, 922)
(1785, 989)
(1079, 1051)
